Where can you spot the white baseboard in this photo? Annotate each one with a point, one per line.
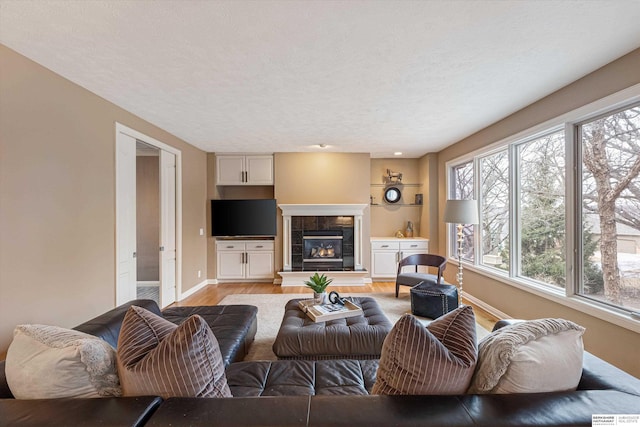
(486, 307)
(148, 283)
(193, 290)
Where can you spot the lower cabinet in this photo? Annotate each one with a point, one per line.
(244, 259)
(386, 253)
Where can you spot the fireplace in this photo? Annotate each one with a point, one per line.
(322, 250)
(324, 238)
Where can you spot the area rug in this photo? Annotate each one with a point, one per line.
(271, 311)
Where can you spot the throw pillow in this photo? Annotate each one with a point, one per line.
(536, 356)
(46, 362)
(438, 359)
(157, 357)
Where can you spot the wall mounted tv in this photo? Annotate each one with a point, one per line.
(247, 217)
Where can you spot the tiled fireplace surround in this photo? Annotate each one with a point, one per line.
(300, 218)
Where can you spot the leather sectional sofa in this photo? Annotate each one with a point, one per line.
(316, 393)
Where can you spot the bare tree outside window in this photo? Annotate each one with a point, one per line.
(611, 204)
(494, 206)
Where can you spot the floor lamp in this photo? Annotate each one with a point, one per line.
(460, 212)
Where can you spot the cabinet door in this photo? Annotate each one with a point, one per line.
(384, 263)
(230, 264)
(230, 170)
(259, 170)
(259, 265)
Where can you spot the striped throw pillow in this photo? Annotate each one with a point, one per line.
(157, 357)
(438, 359)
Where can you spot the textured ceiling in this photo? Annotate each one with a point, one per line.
(359, 76)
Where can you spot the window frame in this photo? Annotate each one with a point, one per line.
(569, 122)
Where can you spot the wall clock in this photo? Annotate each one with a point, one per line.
(392, 195)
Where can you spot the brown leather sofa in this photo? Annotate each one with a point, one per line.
(325, 393)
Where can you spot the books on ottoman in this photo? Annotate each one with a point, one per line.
(324, 312)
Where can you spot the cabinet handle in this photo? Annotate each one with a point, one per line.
(385, 246)
(229, 247)
(414, 246)
(259, 247)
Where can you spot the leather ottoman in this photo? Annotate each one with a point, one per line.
(234, 326)
(432, 301)
(358, 337)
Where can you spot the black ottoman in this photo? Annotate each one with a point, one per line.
(432, 301)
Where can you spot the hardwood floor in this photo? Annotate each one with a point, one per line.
(213, 294)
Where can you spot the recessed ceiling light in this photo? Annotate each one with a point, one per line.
(398, 153)
(322, 145)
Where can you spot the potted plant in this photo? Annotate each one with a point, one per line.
(318, 283)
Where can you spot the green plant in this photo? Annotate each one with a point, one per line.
(318, 282)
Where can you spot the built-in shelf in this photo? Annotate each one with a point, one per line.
(394, 204)
(395, 184)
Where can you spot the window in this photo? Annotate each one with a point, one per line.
(528, 224)
(610, 241)
(541, 209)
(462, 189)
(494, 210)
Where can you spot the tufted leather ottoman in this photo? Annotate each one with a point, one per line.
(432, 301)
(358, 337)
(234, 326)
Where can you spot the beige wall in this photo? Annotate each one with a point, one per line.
(615, 344)
(387, 219)
(308, 178)
(57, 193)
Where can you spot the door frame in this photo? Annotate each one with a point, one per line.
(122, 129)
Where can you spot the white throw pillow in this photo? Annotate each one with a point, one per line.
(536, 356)
(47, 362)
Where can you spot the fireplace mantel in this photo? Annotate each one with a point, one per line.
(294, 210)
(322, 210)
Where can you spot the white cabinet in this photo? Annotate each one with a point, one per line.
(386, 252)
(244, 259)
(244, 170)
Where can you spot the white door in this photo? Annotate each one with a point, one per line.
(384, 263)
(125, 218)
(167, 228)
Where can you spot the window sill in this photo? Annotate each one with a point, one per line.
(576, 302)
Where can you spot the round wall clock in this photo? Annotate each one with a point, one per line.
(392, 195)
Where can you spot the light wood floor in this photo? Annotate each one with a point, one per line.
(213, 294)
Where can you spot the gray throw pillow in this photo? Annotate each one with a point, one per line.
(156, 357)
(437, 359)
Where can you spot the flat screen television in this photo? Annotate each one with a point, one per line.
(247, 217)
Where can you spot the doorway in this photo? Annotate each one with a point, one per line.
(147, 221)
(148, 238)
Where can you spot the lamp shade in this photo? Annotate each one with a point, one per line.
(461, 212)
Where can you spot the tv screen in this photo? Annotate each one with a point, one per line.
(250, 217)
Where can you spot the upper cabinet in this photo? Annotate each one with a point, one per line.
(244, 170)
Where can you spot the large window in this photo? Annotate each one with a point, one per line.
(494, 209)
(541, 209)
(610, 153)
(531, 232)
(462, 188)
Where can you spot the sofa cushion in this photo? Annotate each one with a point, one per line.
(52, 362)
(302, 377)
(438, 359)
(157, 357)
(536, 356)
